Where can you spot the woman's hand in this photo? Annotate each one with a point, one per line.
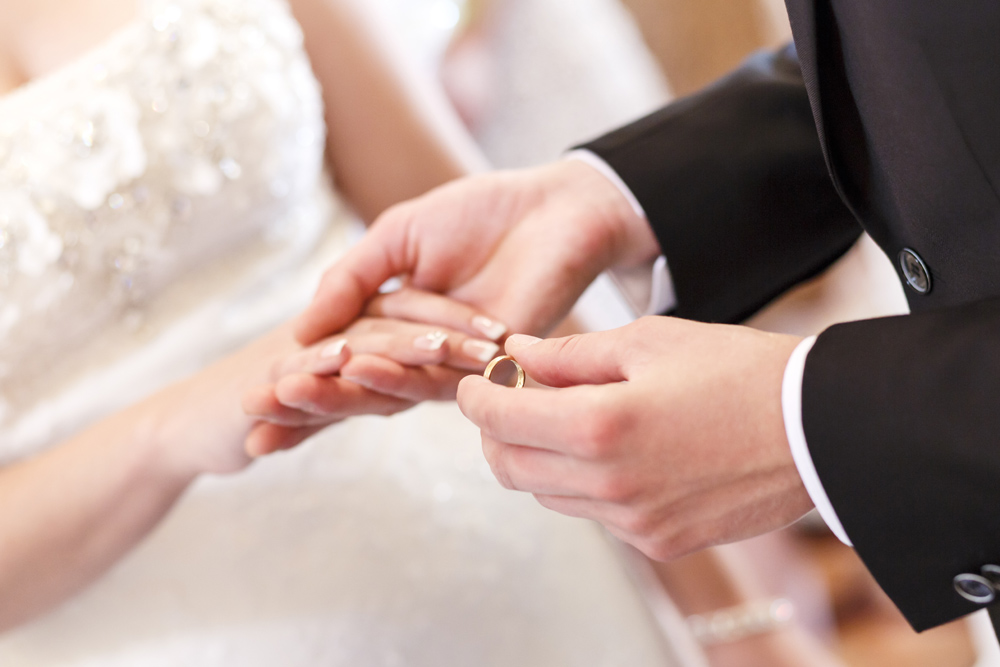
(410, 346)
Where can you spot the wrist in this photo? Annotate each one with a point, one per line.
(619, 224)
(171, 449)
(154, 463)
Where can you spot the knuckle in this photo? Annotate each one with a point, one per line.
(493, 418)
(566, 347)
(659, 550)
(669, 539)
(613, 488)
(639, 523)
(598, 433)
(546, 502)
(494, 453)
(641, 328)
(399, 213)
(502, 475)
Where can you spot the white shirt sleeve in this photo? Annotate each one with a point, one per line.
(791, 408)
(649, 290)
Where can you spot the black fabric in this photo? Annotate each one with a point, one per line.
(908, 448)
(735, 186)
(898, 412)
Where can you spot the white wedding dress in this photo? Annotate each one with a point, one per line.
(162, 200)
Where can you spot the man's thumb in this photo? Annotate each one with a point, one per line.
(564, 362)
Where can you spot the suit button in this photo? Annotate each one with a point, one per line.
(975, 588)
(915, 271)
(991, 572)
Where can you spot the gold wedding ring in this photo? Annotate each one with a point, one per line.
(496, 362)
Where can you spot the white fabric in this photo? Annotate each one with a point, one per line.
(649, 290)
(791, 407)
(984, 639)
(182, 210)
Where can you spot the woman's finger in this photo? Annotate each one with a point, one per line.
(416, 384)
(268, 438)
(335, 397)
(414, 305)
(406, 343)
(261, 403)
(463, 351)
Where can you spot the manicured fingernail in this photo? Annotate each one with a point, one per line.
(333, 349)
(489, 328)
(480, 349)
(432, 342)
(520, 341)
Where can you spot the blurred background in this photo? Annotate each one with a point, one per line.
(532, 78)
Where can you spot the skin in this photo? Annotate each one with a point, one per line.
(520, 246)
(683, 442)
(668, 432)
(87, 501)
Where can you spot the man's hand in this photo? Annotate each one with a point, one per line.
(521, 246)
(668, 432)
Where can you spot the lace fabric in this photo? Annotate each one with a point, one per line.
(194, 134)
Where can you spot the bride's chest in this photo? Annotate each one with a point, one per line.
(189, 134)
(193, 126)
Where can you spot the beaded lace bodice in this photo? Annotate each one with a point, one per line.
(194, 134)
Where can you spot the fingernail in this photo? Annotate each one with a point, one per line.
(480, 349)
(489, 328)
(333, 349)
(521, 341)
(431, 342)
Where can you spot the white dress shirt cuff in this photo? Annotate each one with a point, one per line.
(791, 407)
(649, 289)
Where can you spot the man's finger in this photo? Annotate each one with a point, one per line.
(594, 358)
(355, 278)
(579, 421)
(580, 508)
(536, 470)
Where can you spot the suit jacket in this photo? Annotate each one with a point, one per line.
(886, 117)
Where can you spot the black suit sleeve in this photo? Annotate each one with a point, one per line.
(902, 417)
(735, 186)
